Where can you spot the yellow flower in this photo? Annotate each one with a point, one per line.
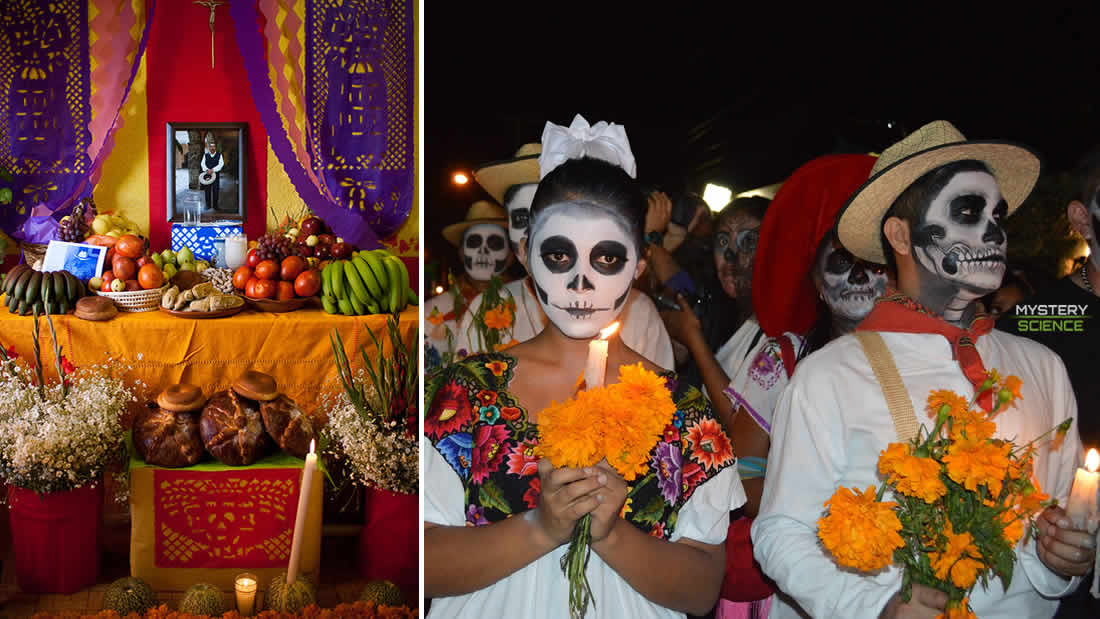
(974, 425)
(983, 463)
(500, 317)
(1013, 526)
(859, 531)
(960, 559)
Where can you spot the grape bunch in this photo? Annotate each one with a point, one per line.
(272, 247)
(74, 228)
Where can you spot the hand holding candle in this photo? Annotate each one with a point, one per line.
(300, 517)
(596, 366)
(1082, 498)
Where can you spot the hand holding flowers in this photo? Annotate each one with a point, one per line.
(568, 494)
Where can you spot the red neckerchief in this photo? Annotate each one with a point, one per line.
(897, 312)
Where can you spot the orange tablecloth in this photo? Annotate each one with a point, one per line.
(162, 350)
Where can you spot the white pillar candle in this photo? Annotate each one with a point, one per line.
(245, 588)
(300, 517)
(595, 368)
(1082, 498)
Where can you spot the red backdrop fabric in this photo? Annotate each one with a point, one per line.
(183, 88)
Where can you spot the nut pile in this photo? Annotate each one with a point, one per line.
(221, 278)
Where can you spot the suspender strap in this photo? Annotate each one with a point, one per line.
(886, 372)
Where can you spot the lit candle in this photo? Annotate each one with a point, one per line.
(300, 517)
(596, 366)
(245, 588)
(1082, 499)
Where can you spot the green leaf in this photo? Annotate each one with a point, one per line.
(651, 513)
(491, 496)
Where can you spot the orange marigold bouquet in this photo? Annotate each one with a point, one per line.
(963, 499)
(620, 423)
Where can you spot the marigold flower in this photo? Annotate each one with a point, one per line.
(1013, 526)
(945, 397)
(973, 425)
(978, 464)
(958, 610)
(911, 475)
(959, 561)
(859, 531)
(435, 317)
(499, 317)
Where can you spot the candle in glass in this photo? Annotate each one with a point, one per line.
(300, 517)
(245, 588)
(1082, 498)
(595, 368)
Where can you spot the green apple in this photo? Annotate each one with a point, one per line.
(169, 270)
(95, 283)
(185, 255)
(157, 260)
(117, 285)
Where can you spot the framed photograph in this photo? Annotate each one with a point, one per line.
(83, 261)
(206, 165)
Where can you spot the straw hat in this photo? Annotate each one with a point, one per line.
(497, 176)
(480, 212)
(938, 143)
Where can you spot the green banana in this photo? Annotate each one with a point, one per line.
(72, 286)
(338, 280)
(33, 287)
(20, 288)
(64, 306)
(326, 280)
(360, 308)
(396, 299)
(365, 274)
(25, 308)
(47, 291)
(60, 286)
(355, 282)
(329, 304)
(413, 299)
(373, 262)
(13, 277)
(405, 280)
(12, 302)
(345, 306)
(372, 307)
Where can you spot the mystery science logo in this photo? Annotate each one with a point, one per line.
(1051, 317)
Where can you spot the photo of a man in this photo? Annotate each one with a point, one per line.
(212, 164)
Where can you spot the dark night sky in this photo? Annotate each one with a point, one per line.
(761, 94)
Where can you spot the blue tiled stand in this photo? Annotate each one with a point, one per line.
(200, 237)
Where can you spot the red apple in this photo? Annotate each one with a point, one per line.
(250, 287)
(308, 283)
(291, 267)
(325, 239)
(252, 259)
(322, 251)
(340, 250)
(311, 225)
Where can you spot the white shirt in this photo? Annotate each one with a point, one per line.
(217, 168)
(436, 336)
(540, 590)
(757, 382)
(832, 422)
(734, 352)
(642, 328)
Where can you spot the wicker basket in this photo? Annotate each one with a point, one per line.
(136, 300)
(32, 253)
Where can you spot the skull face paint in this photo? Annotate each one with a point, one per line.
(583, 260)
(484, 251)
(734, 250)
(848, 285)
(518, 203)
(959, 238)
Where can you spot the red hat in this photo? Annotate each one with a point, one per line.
(801, 214)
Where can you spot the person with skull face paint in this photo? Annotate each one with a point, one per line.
(1077, 349)
(482, 241)
(584, 249)
(933, 206)
(513, 182)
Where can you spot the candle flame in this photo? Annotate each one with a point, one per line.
(609, 330)
(1092, 460)
(312, 445)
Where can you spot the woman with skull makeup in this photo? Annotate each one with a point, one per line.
(497, 519)
(807, 290)
(933, 205)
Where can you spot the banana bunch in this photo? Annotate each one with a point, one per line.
(371, 282)
(50, 292)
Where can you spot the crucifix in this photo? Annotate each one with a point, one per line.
(211, 4)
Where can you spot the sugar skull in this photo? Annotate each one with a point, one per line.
(583, 260)
(518, 202)
(849, 285)
(485, 251)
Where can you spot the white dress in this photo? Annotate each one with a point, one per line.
(642, 328)
(830, 425)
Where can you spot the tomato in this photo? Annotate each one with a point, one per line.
(252, 259)
(110, 255)
(124, 268)
(150, 276)
(308, 283)
(107, 277)
(250, 287)
(265, 289)
(132, 285)
(241, 277)
(130, 245)
(285, 291)
(291, 267)
(267, 269)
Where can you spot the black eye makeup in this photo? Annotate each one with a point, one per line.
(839, 262)
(967, 209)
(473, 241)
(495, 242)
(608, 257)
(558, 253)
(747, 239)
(520, 218)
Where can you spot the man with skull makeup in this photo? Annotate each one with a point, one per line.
(482, 241)
(513, 183)
(933, 206)
(497, 519)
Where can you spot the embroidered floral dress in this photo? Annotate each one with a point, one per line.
(480, 468)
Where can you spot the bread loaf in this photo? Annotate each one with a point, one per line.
(167, 438)
(288, 425)
(232, 429)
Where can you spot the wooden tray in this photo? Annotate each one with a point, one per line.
(217, 314)
(275, 306)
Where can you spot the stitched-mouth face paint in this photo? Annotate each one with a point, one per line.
(583, 261)
(484, 251)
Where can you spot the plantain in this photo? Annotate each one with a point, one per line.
(372, 307)
(338, 280)
(413, 299)
(345, 306)
(359, 307)
(12, 302)
(326, 280)
(34, 287)
(20, 288)
(25, 308)
(358, 288)
(329, 304)
(396, 300)
(372, 283)
(374, 263)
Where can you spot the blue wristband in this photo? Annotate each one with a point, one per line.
(682, 283)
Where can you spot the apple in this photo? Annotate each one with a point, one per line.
(291, 267)
(117, 285)
(340, 250)
(304, 250)
(123, 267)
(265, 289)
(312, 240)
(325, 239)
(95, 283)
(284, 291)
(312, 225)
(307, 283)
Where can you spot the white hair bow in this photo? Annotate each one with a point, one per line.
(603, 140)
